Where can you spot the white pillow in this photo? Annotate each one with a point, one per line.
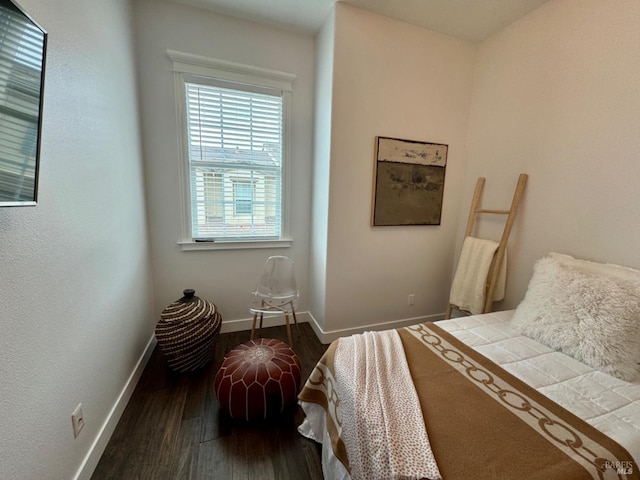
(587, 310)
(608, 269)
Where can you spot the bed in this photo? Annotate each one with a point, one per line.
(549, 390)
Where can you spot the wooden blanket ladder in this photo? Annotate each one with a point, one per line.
(475, 210)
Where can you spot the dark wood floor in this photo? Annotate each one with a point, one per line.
(172, 428)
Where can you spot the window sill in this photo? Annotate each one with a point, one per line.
(191, 246)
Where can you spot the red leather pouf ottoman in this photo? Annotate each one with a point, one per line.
(257, 379)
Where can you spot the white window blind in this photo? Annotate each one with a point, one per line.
(235, 149)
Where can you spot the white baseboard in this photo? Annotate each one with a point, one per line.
(330, 336)
(244, 324)
(104, 435)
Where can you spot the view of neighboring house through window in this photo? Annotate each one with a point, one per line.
(235, 153)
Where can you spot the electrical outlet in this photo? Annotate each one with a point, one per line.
(77, 420)
(412, 298)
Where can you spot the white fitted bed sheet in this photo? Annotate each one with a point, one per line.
(607, 403)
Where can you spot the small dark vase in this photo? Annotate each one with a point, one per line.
(187, 332)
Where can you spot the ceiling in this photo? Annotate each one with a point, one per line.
(472, 20)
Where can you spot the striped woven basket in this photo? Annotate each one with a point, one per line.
(187, 332)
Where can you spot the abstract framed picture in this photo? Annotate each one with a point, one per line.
(408, 182)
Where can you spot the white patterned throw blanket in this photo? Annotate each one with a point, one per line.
(387, 438)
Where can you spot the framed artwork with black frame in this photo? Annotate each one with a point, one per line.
(408, 182)
(23, 46)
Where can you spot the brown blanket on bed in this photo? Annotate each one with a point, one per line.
(482, 422)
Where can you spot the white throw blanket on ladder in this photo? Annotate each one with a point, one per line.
(469, 283)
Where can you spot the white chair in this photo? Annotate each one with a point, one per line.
(276, 293)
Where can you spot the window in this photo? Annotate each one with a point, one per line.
(243, 198)
(235, 125)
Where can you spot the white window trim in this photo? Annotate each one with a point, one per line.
(185, 64)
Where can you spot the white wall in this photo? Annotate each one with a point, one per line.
(556, 95)
(397, 80)
(223, 277)
(321, 169)
(75, 291)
